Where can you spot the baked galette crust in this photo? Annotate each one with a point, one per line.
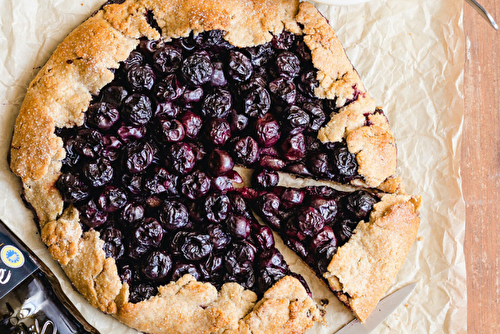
(82, 64)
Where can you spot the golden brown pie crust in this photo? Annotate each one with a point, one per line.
(81, 65)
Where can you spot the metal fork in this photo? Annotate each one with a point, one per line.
(484, 13)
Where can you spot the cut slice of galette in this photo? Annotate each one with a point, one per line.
(356, 241)
(126, 145)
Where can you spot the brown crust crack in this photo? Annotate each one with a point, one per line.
(81, 66)
(363, 269)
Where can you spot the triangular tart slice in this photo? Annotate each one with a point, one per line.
(356, 241)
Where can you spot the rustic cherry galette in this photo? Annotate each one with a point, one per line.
(127, 143)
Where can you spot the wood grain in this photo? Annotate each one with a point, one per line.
(481, 169)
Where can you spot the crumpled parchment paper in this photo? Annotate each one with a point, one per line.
(410, 55)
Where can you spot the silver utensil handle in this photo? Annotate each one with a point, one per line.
(484, 13)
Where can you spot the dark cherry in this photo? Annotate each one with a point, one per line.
(297, 246)
(192, 124)
(132, 213)
(136, 251)
(192, 95)
(171, 130)
(319, 164)
(237, 121)
(316, 115)
(302, 50)
(129, 133)
(268, 276)
(291, 197)
(283, 91)
(246, 278)
(135, 58)
(217, 104)
(265, 179)
(324, 236)
(113, 242)
(195, 185)
(263, 237)
(240, 68)
(257, 102)
(326, 207)
(309, 221)
(91, 216)
(244, 252)
(238, 204)
(360, 204)
(238, 226)
(138, 157)
(260, 54)
(141, 77)
(217, 207)
(176, 243)
(212, 268)
(137, 109)
(198, 150)
(133, 183)
(72, 188)
(111, 147)
(181, 158)
(169, 89)
(149, 46)
(288, 64)
(112, 199)
(308, 83)
(181, 269)
(267, 130)
(167, 59)
(218, 237)
(72, 157)
(114, 95)
(218, 131)
(197, 69)
(158, 181)
(219, 162)
(268, 205)
(294, 147)
(271, 162)
(344, 162)
(126, 274)
(218, 77)
(102, 115)
(343, 230)
(283, 41)
(295, 120)
(234, 176)
(246, 151)
(148, 233)
(157, 266)
(222, 184)
(196, 246)
(167, 109)
(88, 143)
(173, 215)
(141, 292)
(325, 252)
(298, 168)
(98, 173)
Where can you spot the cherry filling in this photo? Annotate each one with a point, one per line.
(151, 168)
(313, 221)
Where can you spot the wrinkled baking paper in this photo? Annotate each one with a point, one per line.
(410, 55)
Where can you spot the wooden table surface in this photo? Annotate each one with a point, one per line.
(480, 167)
